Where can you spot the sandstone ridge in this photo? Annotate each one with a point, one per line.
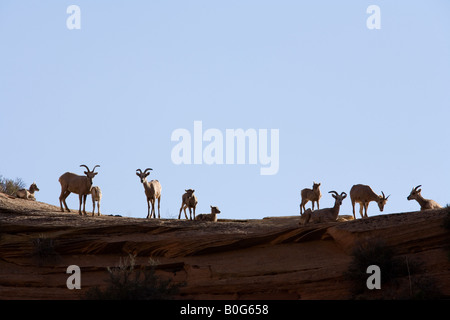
(270, 258)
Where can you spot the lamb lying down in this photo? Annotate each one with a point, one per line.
(209, 216)
(28, 194)
(324, 215)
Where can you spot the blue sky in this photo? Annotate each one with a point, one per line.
(352, 105)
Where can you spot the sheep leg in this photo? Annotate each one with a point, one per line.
(62, 199)
(190, 213)
(84, 203)
(302, 206)
(353, 205)
(148, 208)
(194, 213)
(153, 214)
(365, 209)
(81, 200)
(93, 206)
(183, 206)
(159, 200)
(361, 206)
(98, 208)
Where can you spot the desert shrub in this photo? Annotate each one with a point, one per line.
(401, 277)
(10, 186)
(128, 283)
(424, 288)
(44, 252)
(371, 252)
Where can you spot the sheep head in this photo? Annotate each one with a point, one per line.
(214, 209)
(190, 197)
(143, 175)
(414, 193)
(382, 201)
(34, 187)
(338, 197)
(90, 174)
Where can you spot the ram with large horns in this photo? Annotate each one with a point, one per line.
(152, 191)
(327, 214)
(81, 185)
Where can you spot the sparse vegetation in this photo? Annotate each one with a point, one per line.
(423, 288)
(401, 277)
(10, 186)
(44, 252)
(371, 252)
(126, 282)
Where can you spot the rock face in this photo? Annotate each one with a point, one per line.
(272, 258)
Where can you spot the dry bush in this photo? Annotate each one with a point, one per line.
(128, 283)
(10, 186)
(401, 277)
(44, 252)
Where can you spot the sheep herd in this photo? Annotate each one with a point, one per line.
(359, 193)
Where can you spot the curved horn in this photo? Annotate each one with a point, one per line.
(83, 165)
(415, 189)
(93, 169)
(335, 193)
(140, 171)
(145, 171)
(343, 195)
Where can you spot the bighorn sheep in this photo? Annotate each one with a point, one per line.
(81, 185)
(313, 195)
(96, 195)
(425, 204)
(152, 191)
(324, 215)
(209, 216)
(364, 195)
(28, 194)
(188, 200)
